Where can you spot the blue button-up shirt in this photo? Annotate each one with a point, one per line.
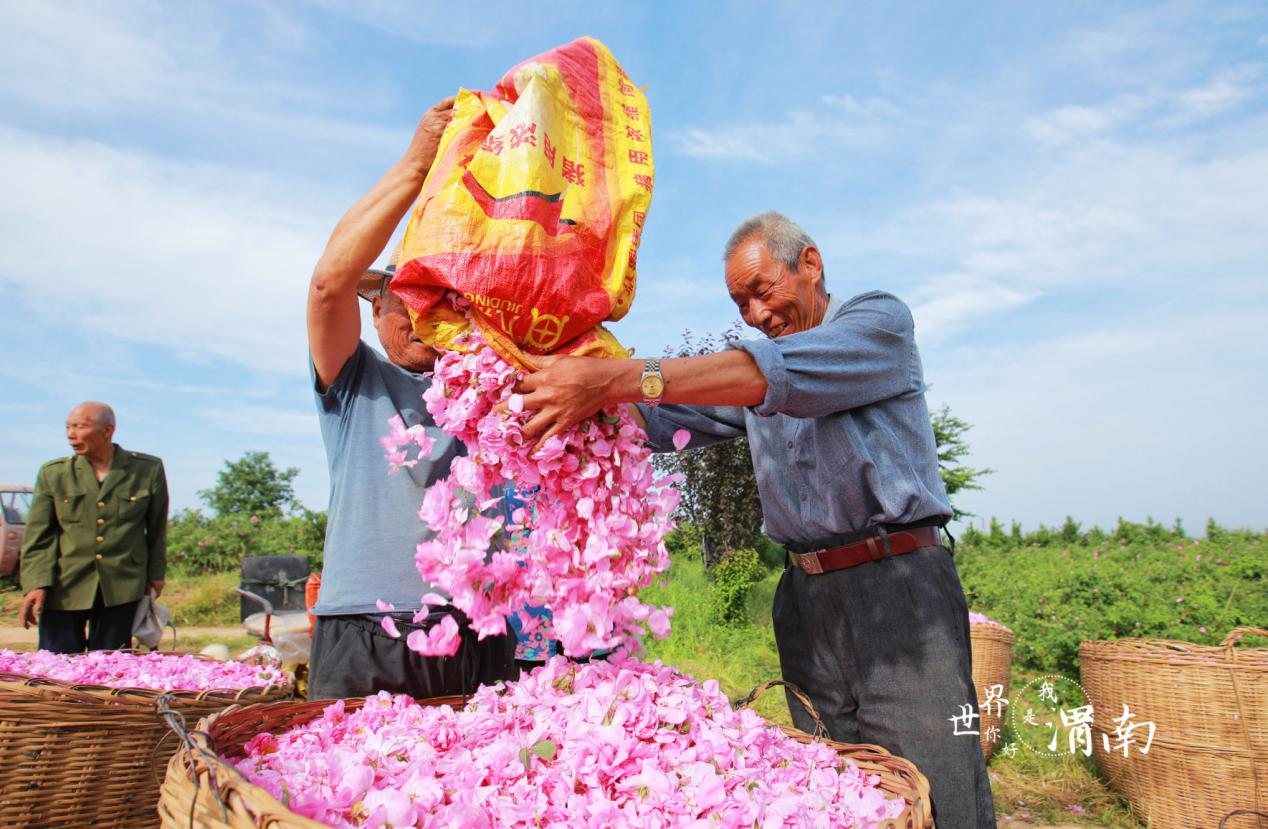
(842, 441)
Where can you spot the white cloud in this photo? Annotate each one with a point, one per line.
(1068, 123)
(266, 421)
(187, 256)
(764, 143)
(1226, 90)
(434, 22)
(866, 107)
(1117, 419)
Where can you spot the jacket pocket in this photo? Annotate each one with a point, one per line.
(134, 505)
(70, 508)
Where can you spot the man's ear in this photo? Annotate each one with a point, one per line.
(377, 305)
(810, 259)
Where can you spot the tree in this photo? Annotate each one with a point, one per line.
(948, 435)
(251, 485)
(719, 490)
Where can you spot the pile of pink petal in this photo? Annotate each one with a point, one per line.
(606, 744)
(151, 671)
(596, 513)
(976, 618)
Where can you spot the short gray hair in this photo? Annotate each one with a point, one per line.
(784, 238)
(100, 412)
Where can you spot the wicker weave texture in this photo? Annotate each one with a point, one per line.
(85, 755)
(202, 790)
(1209, 755)
(992, 665)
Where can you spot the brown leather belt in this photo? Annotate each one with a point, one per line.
(869, 549)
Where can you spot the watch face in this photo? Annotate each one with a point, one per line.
(652, 386)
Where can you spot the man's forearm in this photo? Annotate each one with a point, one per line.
(728, 378)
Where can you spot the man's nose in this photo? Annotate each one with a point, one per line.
(758, 312)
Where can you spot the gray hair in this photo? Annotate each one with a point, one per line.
(100, 412)
(784, 238)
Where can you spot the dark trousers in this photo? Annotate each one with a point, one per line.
(108, 628)
(882, 650)
(352, 656)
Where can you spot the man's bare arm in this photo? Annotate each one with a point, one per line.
(568, 389)
(334, 320)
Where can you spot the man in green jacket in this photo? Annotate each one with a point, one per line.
(96, 538)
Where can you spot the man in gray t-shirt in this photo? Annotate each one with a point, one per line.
(373, 524)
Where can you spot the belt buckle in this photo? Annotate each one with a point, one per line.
(809, 562)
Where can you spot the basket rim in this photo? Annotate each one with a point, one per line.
(49, 686)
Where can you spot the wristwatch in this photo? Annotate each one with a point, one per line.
(652, 383)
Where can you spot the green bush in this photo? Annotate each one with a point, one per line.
(199, 544)
(1055, 588)
(733, 578)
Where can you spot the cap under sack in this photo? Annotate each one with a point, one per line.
(373, 282)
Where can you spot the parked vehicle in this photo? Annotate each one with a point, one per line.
(15, 501)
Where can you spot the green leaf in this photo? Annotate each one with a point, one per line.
(546, 750)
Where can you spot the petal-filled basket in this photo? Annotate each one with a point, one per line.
(1208, 752)
(87, 755)
(202, 790)
(898, 778)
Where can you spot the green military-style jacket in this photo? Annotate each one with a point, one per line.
(81, 535)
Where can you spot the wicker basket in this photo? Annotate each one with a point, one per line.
(86, 755)
(202, 791)
(898, 777)
(992, 665)
(1209, 755)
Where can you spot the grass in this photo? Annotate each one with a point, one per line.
(205, 600)
(1027, 786)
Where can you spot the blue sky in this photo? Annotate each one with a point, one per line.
(1072, 197)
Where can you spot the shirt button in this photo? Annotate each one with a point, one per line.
(100, 539)
(101, 520)
(98, 556)
(101, 504)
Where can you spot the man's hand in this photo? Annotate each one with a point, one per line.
(32, 607)
(334, 320)
(566, 390)
(156, 586)
(422, 147)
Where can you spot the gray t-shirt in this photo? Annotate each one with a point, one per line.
(373, 525)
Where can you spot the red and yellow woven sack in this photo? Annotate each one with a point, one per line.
(534, 208)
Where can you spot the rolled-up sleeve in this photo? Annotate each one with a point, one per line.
(705, 424)
(864, 354)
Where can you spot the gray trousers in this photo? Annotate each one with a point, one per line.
(882, 651)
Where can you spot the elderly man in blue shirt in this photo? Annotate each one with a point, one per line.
(870, 617)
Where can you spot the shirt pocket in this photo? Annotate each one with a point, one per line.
(134, 505)
(70, 508)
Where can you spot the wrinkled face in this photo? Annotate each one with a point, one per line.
(772, 298)
(402, 346)
(84, 432)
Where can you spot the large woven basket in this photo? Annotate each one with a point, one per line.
(1209, 705)
(992, 665)
(86, 755)
(202, 790)
(898, 777)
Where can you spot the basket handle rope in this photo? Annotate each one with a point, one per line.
(175, 721)
(820, 732)
(1224, 820)
(1235, 635)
